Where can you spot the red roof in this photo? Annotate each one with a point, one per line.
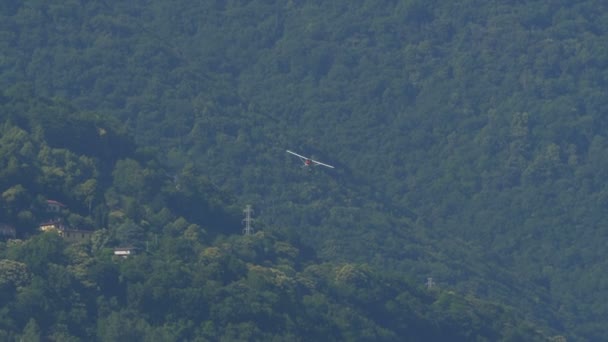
(53, 202)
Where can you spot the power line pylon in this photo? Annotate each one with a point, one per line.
(430, 283)
(248, 230)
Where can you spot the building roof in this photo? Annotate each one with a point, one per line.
(124, 248)
(57, 203)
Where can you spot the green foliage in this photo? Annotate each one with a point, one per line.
(469, 140)
(31, 332)
(13, 273)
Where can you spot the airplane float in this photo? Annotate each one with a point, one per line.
(309, 161)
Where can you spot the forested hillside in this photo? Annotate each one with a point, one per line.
(190, 274)
(468, 137)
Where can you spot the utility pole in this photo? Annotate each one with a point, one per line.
(248, 230)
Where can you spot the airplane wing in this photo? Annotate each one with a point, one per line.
(313, 161)
(295, 154)
(322, 164)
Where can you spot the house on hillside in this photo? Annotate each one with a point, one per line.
(52, 225)
(124, 251)
(53, 206)
(75, 235)
(69, 234)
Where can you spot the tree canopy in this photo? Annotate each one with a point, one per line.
(468, 138)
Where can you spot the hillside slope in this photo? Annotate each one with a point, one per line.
(188, 274)
(469, 137)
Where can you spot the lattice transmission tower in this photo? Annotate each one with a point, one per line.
(248, 221)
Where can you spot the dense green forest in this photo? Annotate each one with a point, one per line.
(468, 138)
(193, 276)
